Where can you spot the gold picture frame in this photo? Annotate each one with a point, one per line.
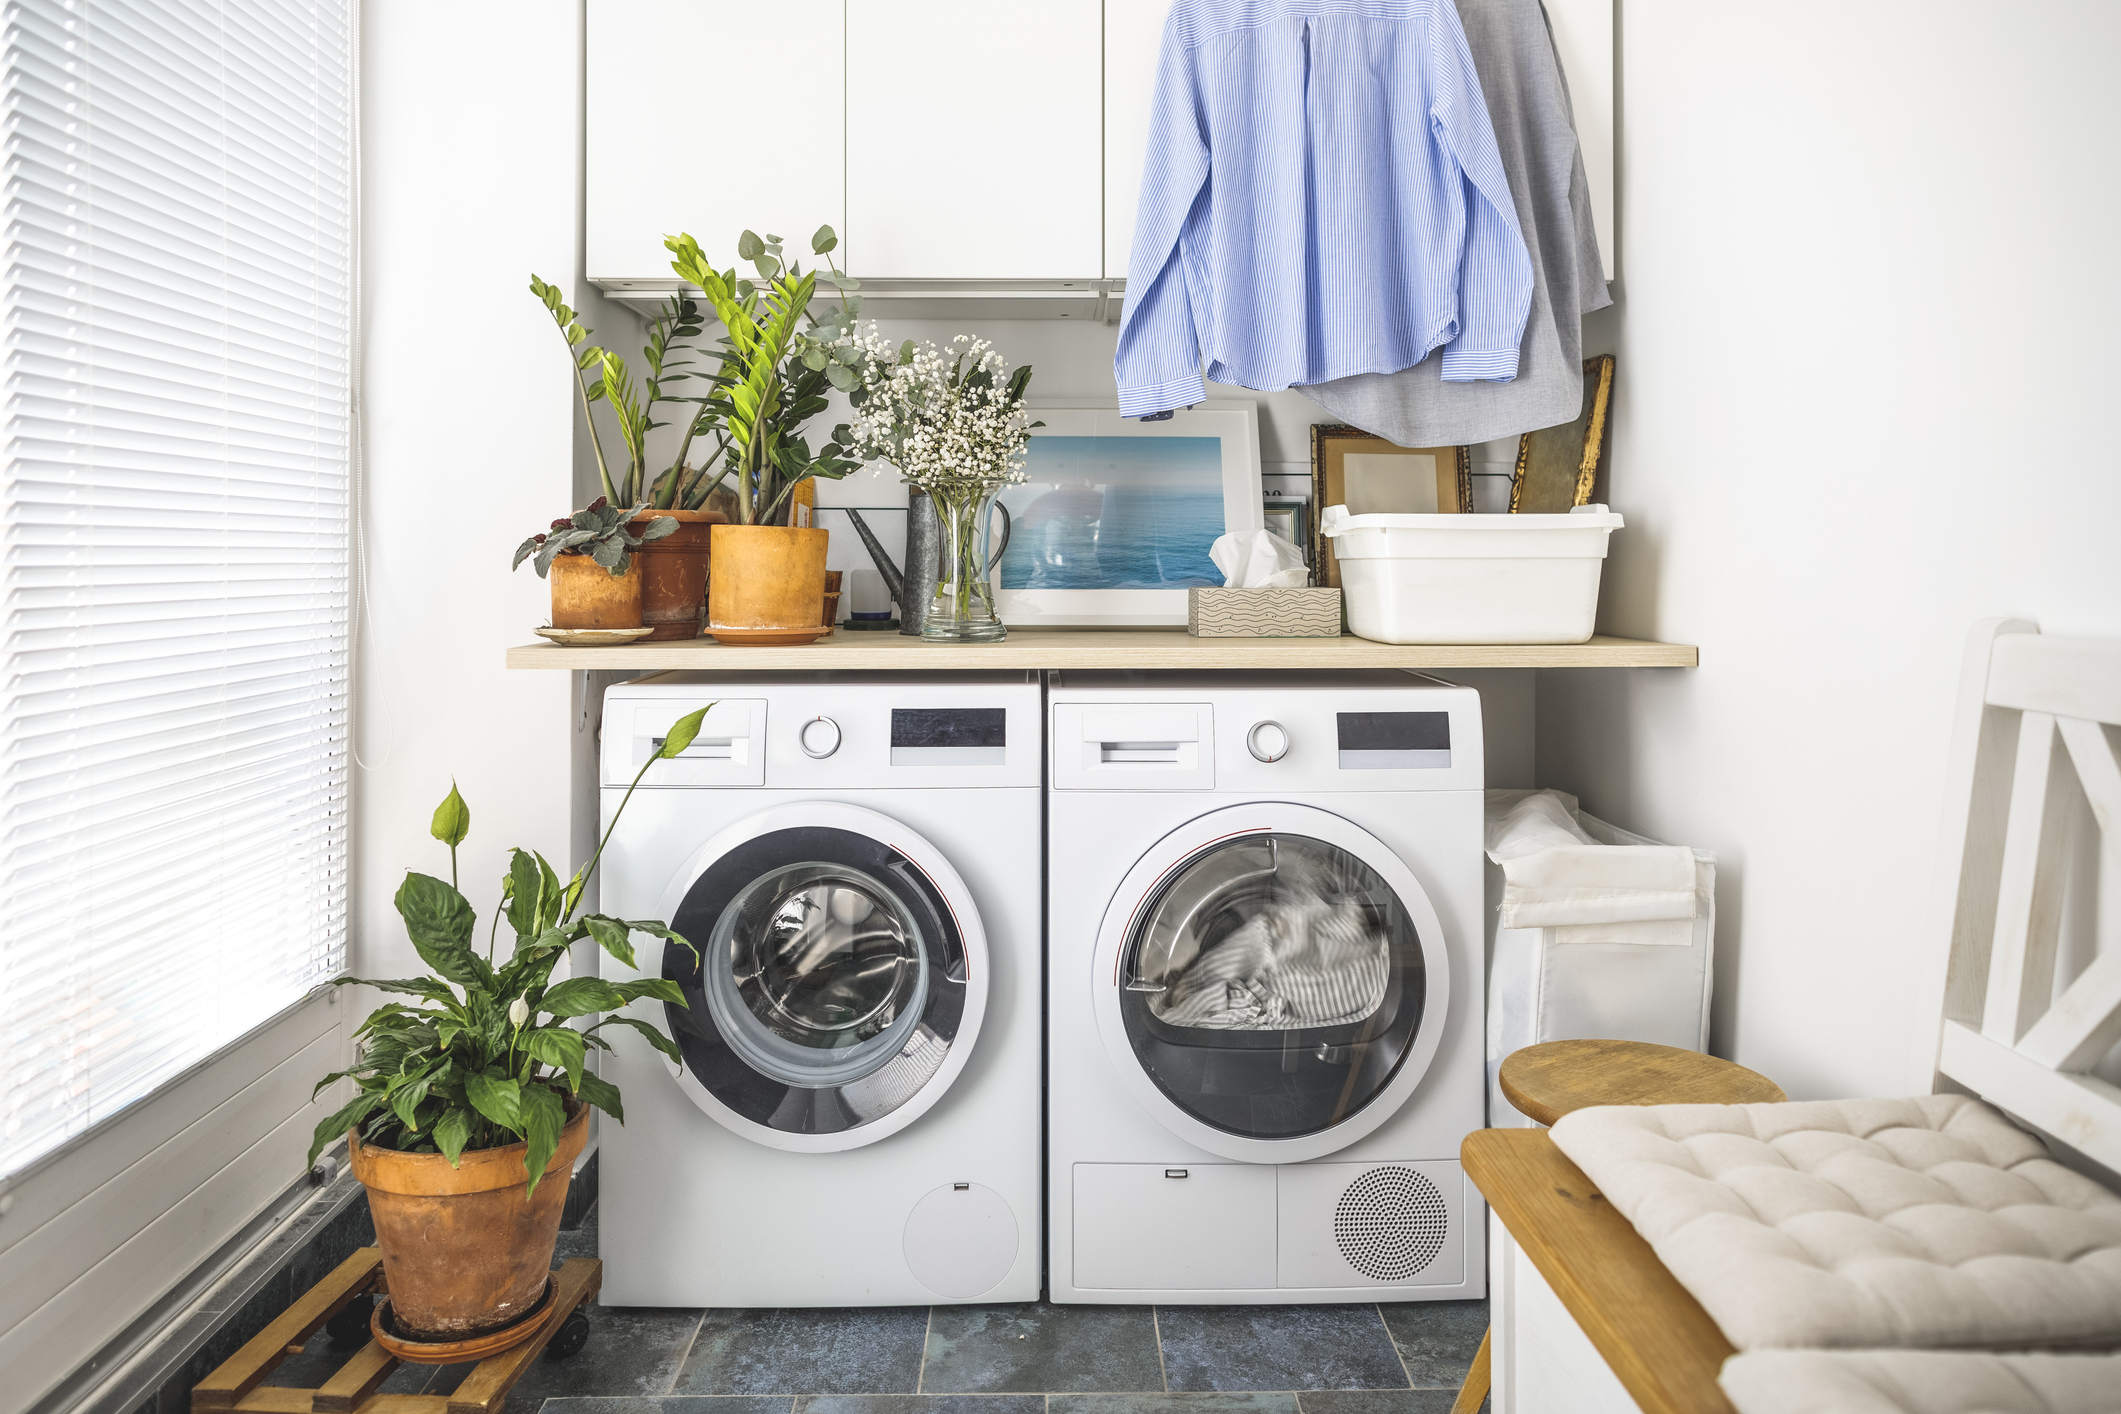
(1434, 480)
(1557, 467)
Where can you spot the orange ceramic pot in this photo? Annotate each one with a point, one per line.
(766, 577)
(586, 595)
(674, 572)
(464, 1251)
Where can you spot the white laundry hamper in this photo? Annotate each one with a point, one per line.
(1616, 938)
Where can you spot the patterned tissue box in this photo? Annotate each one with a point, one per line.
(1263, 613)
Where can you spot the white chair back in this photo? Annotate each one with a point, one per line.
(2036, 731)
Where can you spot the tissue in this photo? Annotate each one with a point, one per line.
(1265, 561)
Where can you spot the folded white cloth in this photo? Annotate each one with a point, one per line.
(1860, 1224)
(1555, 874)
(1920, 1382)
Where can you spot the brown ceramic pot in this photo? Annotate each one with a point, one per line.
(764, 577)
(464, 1251)
(674, 572)
(586, 595)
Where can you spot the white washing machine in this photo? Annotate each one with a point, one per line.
(1264, 988)
(856, 1122)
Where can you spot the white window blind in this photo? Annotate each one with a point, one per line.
(176, 420)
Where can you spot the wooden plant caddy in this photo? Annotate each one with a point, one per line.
(238, 1387)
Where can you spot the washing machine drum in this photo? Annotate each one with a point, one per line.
(831, 1000)
(1277, 987)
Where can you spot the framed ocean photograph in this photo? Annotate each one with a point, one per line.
(1115, 516)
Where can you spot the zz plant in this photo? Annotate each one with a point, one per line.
(777, 364)
(484, 1058)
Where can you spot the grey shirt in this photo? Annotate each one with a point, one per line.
(1528, 102)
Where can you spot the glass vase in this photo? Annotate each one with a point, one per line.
(962, 610)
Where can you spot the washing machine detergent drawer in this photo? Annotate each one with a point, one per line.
(1210, 1227)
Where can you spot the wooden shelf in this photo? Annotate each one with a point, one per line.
(1082, 648)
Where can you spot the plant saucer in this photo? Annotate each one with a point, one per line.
(768, 637)
(593, 637)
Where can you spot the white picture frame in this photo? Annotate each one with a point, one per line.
(1232, 424)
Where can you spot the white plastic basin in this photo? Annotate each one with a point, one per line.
(1471, 578)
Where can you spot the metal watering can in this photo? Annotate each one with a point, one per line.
(915, 587)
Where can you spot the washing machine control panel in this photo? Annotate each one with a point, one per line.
(891, 734)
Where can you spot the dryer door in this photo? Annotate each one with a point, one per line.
(1271, 982)
(840, 981)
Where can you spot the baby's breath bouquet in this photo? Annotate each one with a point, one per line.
(953, 422)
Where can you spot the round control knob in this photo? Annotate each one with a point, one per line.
(1267, 741)
(819, 738)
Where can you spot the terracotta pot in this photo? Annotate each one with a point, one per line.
(674, 572)
(766, 577)
(832, 598)
(586, 595)
(463, 1250)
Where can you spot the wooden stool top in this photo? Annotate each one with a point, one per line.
(1547, 1081)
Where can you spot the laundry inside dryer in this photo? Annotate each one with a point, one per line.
(1273, 985)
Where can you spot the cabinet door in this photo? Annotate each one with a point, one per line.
(973, 139)
(699, 120)
(1134, 29)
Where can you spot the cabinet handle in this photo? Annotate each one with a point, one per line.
(1174, 1173)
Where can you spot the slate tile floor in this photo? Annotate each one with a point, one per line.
(1400, 1359)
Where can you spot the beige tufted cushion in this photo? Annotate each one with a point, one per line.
(1863, 1223)
(1920, 1382)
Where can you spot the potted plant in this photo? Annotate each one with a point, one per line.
(674, 564)
(596, 582)
(953, 422)
(766, 577)
(472, 1102)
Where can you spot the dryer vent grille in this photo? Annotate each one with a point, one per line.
(1390, 1223)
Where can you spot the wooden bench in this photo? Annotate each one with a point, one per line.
(1587, 1318)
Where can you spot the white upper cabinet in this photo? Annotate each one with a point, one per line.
(694, 125)
(973, 142)
(1133, 30)
(995, 145)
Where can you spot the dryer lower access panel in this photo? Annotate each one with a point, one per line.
(1329, 1229)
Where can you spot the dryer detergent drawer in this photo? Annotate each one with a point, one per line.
(1152, 1226)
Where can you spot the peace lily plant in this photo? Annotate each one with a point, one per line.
(484, 1059)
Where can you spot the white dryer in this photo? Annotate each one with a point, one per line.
(1264, 988)
(856, 1121)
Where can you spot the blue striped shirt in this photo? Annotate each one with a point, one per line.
(1322, 197)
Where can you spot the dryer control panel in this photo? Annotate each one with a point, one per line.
(1371, 732)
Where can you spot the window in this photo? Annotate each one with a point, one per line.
(174, 570)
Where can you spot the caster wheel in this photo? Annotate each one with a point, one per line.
(569, 1339)
(349, 1328)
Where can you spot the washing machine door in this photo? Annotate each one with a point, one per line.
(1271, 982)
(840, 979)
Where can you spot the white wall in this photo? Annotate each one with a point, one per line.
(1866, 360)
(471, 134)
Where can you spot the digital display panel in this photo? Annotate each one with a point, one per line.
(949, 726)
(949, 736)
(1394, 741)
